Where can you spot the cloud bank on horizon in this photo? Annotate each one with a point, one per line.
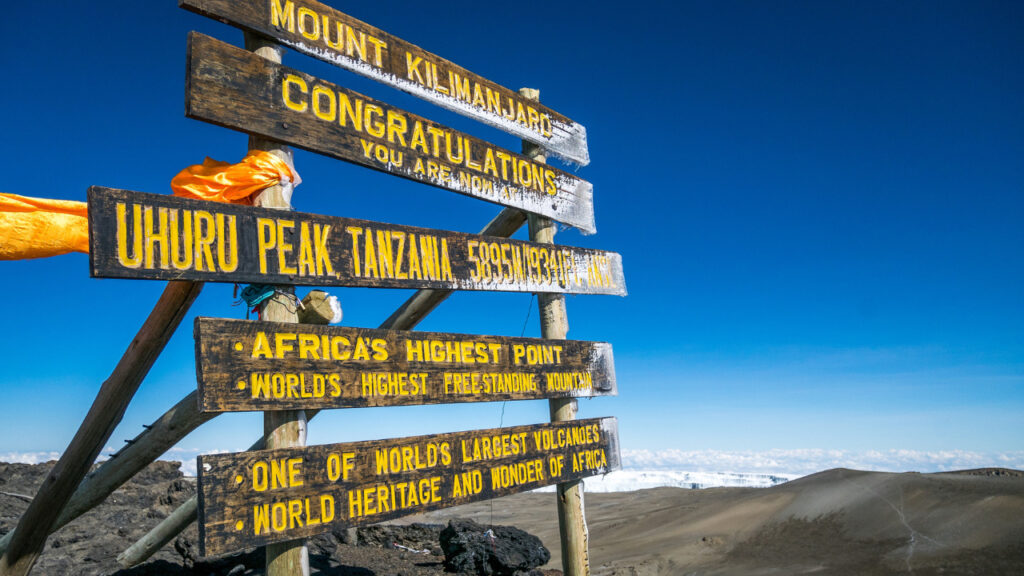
(800, 462)
(665, 467)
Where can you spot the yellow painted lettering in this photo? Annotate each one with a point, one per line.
(282, 17)
(284, 248)
(266, 235)
(286, 84)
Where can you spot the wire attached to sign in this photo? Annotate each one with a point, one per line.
(255, 294)
(501, 420)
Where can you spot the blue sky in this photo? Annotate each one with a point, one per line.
(818, 206)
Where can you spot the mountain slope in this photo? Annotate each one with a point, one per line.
(834, 522)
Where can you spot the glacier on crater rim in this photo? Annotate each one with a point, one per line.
(629, 480)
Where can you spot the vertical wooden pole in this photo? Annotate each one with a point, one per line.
(554, 324)
(281, 428)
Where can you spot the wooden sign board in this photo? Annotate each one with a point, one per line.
(256, 498)
(242, 365)
(237, 89)
(322, 32)
(158, 237)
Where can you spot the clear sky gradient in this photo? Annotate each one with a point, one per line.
(819, 207)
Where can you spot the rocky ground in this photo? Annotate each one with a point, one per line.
(89, 546)
(834, 523)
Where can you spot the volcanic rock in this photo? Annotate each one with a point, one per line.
(470, 548)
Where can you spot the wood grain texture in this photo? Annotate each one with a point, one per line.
(165, 237)
(233, 88)
(242, 365)
(322, 32)
(252, 498)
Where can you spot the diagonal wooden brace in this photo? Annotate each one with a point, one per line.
(29, 537)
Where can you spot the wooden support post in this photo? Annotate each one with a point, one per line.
(111, 401)
(554, 324)
(406, 317)
(281, 428)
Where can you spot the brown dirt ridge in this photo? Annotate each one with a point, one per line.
(837, 522)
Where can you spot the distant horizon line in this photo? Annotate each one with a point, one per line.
(790, 463)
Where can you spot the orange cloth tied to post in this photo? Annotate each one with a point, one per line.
(234, 183)
(40, 227)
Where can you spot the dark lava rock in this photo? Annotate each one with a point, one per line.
(470, 548)
(89, 545)
(187, 545)
(416, 537)
(327, 556)
(158, 472)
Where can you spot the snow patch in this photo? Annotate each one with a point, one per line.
(630, 480)
(800, 462)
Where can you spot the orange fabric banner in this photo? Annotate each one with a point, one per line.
(235, 183)
(38, 227)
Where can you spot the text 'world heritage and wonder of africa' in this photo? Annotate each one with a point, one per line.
(254, 498)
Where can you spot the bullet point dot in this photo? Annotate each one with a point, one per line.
(241, 384)
(238, 346)
(239, 479)
(239, 525)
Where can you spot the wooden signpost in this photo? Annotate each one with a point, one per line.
(152, 236)
(254, 498)
(278, 496)
(236, 89)
(322, 32)
(244, 365)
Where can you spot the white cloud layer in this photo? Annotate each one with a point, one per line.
(800, 462)
(187, 457)
(629, 480)
(709, 468)
(28, 457)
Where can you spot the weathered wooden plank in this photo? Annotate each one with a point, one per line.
(151, 236)
(243, 365)
(231, 87)
(322, 32)
(252, 498)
